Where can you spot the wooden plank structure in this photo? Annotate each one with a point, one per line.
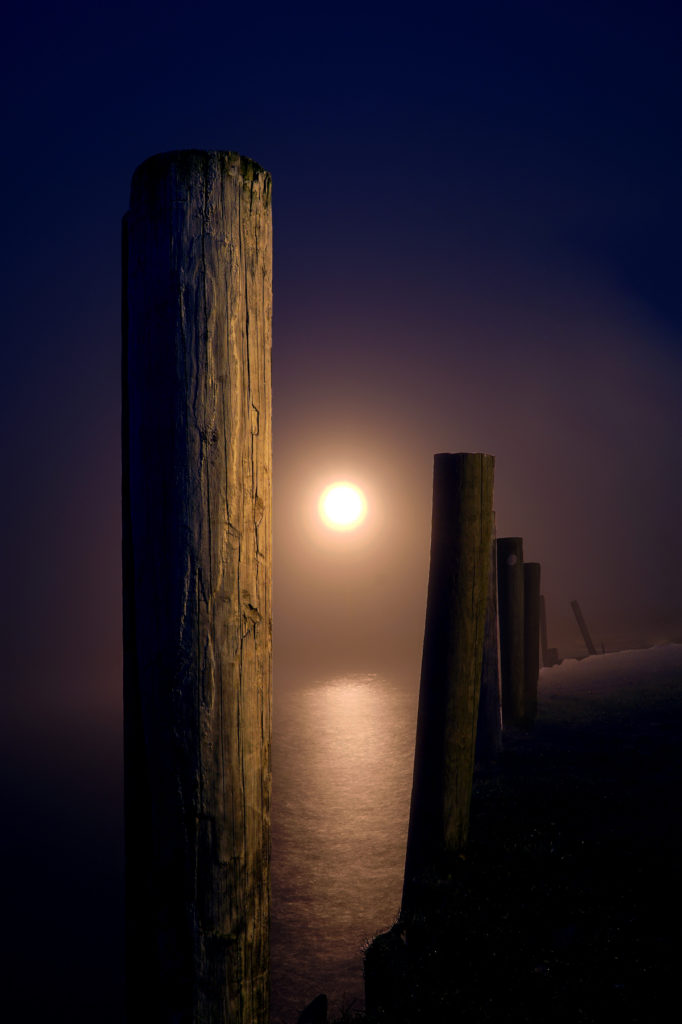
(454, 639)
(511, 622)
(197, 295)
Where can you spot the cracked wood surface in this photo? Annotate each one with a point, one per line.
(197, 298)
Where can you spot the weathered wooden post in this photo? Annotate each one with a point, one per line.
(196, 592)
(550, 655)
(488, 731)
(531, 639)
(451, 666)
(580, 619)
(543, 632)
(510, 594)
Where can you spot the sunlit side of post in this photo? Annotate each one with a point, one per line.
(197, 570)
(451, 666)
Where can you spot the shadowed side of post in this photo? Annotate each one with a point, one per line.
(196, 432)
(451, 666)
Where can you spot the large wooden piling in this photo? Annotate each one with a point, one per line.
(451, 666)
(196, 567)
(531, 640)
(510, 594)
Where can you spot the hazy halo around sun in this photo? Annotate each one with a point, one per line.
(342, 506)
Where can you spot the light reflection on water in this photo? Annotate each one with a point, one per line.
(342, 773)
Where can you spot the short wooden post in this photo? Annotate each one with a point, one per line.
(451, 665)
(591, 649)
(543, 632)
(510, 595)
(196, 568)
(489, 732)
(550, 655)
(531, 639)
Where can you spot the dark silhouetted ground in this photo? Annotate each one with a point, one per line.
(565, 906)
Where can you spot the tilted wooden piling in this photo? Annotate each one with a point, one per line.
(510, 595)
(451, 666)
(580, 619)
(196, 566)
(531, 640)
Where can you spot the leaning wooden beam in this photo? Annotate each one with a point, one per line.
(510, 594)
(196, 594)
(583, 628)
(451, 666)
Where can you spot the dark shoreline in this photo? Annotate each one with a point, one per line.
(560, 908)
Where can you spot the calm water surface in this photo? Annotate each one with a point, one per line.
(342, 774)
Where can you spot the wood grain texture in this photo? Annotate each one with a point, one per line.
(197, 299)
(451, 665)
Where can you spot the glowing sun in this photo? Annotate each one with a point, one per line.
(342, 506)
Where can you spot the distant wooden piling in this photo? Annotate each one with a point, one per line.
(543, 629)
(489, 731)
(196, 567)
(591, 649)
(451, 665)
(550, 655)
(511, 622)
(531, 639)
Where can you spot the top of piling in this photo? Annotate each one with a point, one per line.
(462, 455)
(447, 463)
(186, 162)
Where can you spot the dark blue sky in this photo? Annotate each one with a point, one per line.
(477, 233)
